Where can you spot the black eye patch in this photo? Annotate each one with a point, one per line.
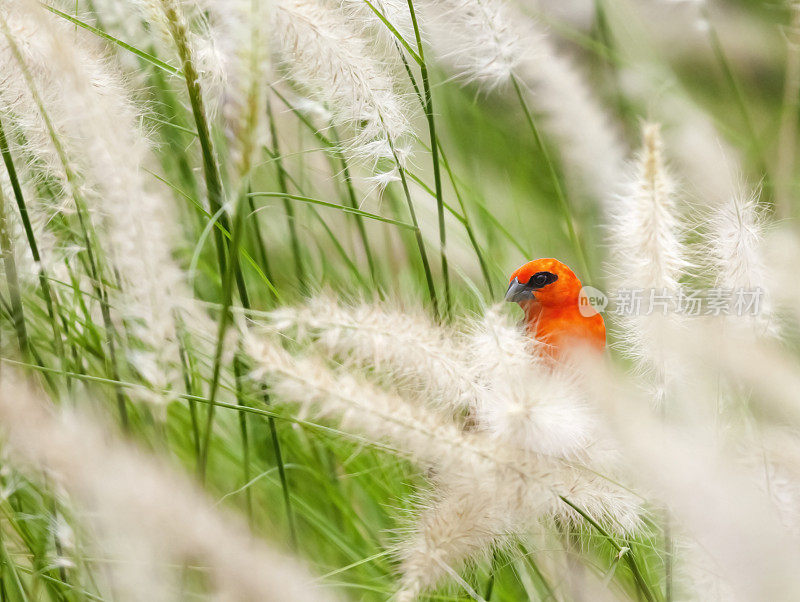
(540, 279)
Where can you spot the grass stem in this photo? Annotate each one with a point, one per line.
(420, 242)
(555, 180)
(239, 376)
(362, 230)
(291, 219)
(741, 103)
(787, 131)
(626, 553)
(12, 280)
(81, 211)
(44, 280)
(211, 168)
(437, 176)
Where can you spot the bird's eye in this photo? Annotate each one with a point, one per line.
(540, 279)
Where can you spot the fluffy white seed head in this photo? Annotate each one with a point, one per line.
(645, 228)
(147, 518)
(736, 234)
(491, 41)
(498, 349)
(495, 373)
(21, 101)
(50, 251)
(526, 402)
(322, 55)
(86, 132)
(185, 32)
(734, 249)
(425, 359)
(452, 527)
(370, 26)
(480, 40)
(543, 413)
(648, 258)
(384, 418)
(504, 474)
(242, 28)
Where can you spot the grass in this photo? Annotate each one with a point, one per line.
(486, 187)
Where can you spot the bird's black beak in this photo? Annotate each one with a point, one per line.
(518, 292)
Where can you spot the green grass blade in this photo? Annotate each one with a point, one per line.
(124, 45)
(343, 208)
(437, 176)
(291, 218)
(10, 266)
(627, 554)
(44, 281)
(551, 170)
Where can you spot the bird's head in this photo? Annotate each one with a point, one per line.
(546, 282)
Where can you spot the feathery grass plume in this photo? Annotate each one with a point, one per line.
(490, 41)
(760, 408)
(138, 505)
(482, 40)
(469, 515)
(734, 248)
(772, 456)
(452, 527)
(51, 252)
(648, 256)
(97, 127)
(371, 27)
(671, 457)
(709, 165)
(323, 56)
(465, 519)
(487, 373)
(204, 41)
(494, 365)
(535, 409)
(412, 430)
(21, 115)
(143, 24)
(485, 489)
(413, 352)
(645, 227)
(242, 28)
(589, 143)
(498, 349)
(550, 417)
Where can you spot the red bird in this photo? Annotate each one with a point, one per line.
(550, 295)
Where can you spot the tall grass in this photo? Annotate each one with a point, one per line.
(249, 340)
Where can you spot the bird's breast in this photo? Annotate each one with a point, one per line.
(563, 327)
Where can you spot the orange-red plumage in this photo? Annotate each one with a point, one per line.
(550, 295)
